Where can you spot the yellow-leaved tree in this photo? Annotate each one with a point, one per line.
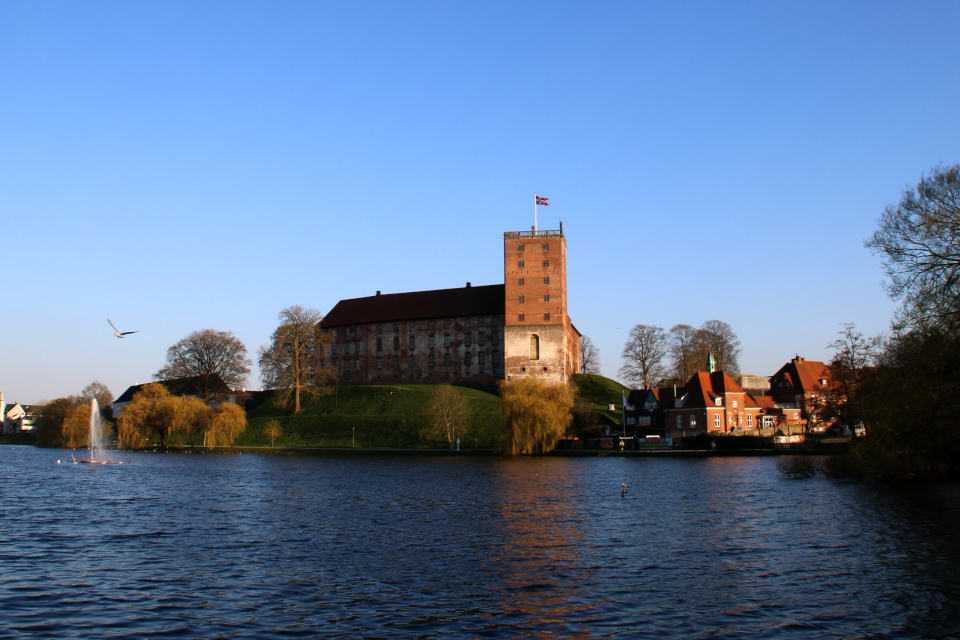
(448, 413)
(537, 414)
(76, 427)
(226, 423)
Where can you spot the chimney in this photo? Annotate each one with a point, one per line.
(378, 293)
(468, 285)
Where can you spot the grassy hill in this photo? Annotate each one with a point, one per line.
(377, 416)
(601, 392)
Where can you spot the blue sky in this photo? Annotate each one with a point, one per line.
(177, 166)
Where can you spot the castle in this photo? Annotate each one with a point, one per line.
(470, 334)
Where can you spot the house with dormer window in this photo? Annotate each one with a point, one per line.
(711, 402)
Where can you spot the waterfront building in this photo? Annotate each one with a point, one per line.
(472, 334)
(798, 387)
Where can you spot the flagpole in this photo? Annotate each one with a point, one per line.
(534, 213)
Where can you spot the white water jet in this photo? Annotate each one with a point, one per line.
(96, 432)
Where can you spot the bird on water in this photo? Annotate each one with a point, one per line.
(117, 332)
(624, 491)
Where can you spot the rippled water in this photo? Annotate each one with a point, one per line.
(243, 546)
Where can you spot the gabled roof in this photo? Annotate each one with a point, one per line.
(177, 387)
(704, 387)
(415, 305)
(804, 375)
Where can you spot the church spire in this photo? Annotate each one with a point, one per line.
(711, 363)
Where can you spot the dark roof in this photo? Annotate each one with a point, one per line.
(177, 387)
(441, 303)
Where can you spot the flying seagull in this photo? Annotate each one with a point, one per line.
(117, 331)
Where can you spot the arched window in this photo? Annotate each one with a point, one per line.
(534, 347)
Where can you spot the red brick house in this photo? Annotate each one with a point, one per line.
(798, 388)
(711, 402)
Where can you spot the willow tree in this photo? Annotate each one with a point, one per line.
(537, 414)
(446, 410)
(293, 361)
(152, 412)
(76, 427)
(226, 423)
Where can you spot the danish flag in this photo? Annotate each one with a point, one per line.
(542, 201)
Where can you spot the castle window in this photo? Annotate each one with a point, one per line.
(433, 325)
(413, 326)
(433, 341)
(333, 349)
(546, 246)
(349, 331)
(396, 343)
(396, 327)
(358, 349)
(413, 342)
(546, 316)
(520, 317)
(495, 338)
(546, 280)
(495, 321)
(520, 265)
(446, 340)
(413, 362)
(481, 338)
(356, 364)
(396, 362)
(534, 347)
(466, 323)
(480, 322)
(546, 297)
(359, 331)
(496, 358)
(520, 281)
(520, 247)
(379, 344)
(520, 299)
(446, 359)
(546, 263)
(379, 363)
(446, 324)
(481, 358)
(468, 339)
(346, 348)
(379, 327)
(467, 358)
(432, 360)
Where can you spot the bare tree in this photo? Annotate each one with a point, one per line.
(273, 430)
(683, 340)
(643, 355)
(98, 390)
(207, 354)
(293, 361)
(589, 356)
(919, 243)
(446, 410)
(717, 338)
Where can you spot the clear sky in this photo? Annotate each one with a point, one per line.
(176, 166)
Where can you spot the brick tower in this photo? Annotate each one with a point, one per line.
(539, 338)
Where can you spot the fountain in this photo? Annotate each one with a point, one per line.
(96, 437)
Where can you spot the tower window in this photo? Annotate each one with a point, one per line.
(481, 323)
(546, 280)
(468, 339)
(546, 246)
(466, 323)
(356, 365)
(413, 362)
(520, 281)
(534, 347)
(520, 299)
(446, 359)
(520, 265)
(520, 318)
(349, 331)
(433, 341)
(481, 338)
(496, 358)
(467, 357)
(546, 263)
(446, 324)
(379, 363)
(446, 340)
(396, 327)
(481, 358)
(396, 362)
(520, 247)
(546, 297)
(396, 344)
(546, 316)
(379, 328)
(413, 326)
(379, 344)
(432, 325)
(413, 342)
(432, 360)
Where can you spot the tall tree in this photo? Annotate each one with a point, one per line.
(682, 345)
(536, 413)
(643, 355)
(718, 338)
(98, 390)
(293, 361)
(206, 354)
(589, 356)
(919, 243)
(853, 355)
(446, 410)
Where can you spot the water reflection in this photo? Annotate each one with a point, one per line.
(270, 547)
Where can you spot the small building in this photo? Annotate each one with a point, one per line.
(13, 416)
(643, 413)
(798, 388)
(711, 402)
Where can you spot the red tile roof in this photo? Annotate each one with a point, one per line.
(487, 300)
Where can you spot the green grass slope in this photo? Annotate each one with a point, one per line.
(601, 392)
(377, 416)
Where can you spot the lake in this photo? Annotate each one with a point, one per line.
(246, 546)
